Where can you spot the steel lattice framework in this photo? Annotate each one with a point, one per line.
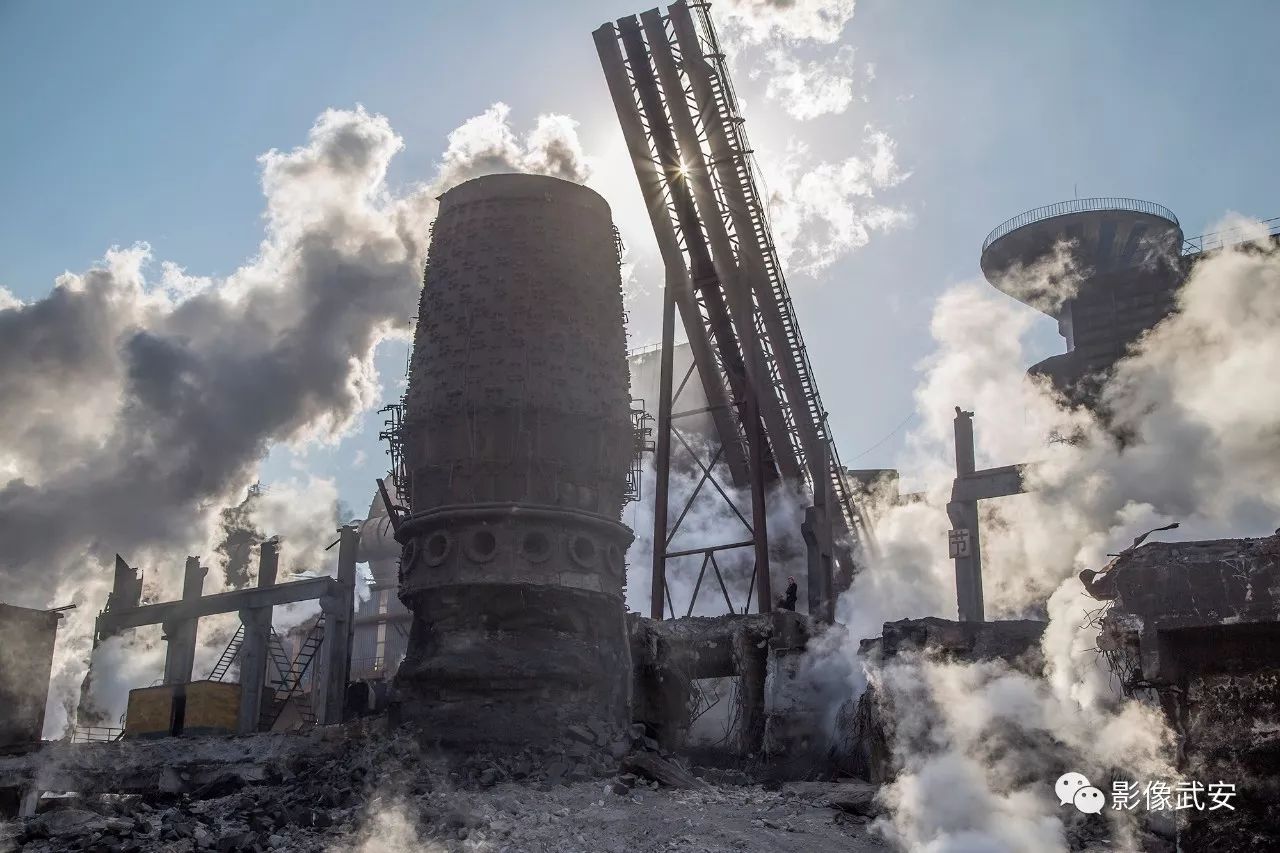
(675, 102)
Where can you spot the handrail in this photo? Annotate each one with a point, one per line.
(651, 348)
(1079, 205)
(95, 734)
(1227, 237)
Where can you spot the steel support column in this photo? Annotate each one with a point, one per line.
(819, 539)
(662, 458)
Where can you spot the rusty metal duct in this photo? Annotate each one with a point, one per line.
(517, 440)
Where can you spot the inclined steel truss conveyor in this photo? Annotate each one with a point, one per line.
(674, 99)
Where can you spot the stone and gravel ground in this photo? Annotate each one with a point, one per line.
(354, 789)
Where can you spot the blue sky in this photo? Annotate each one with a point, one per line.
(141, 122)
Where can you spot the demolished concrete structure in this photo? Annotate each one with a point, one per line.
(1197, 624)
(26, 657)
(259, 706)
(382, 621)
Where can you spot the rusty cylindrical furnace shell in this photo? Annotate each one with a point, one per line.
(517, 439)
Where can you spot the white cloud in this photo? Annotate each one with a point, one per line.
(787, 43)
(810, 89)
(821, 212)
(752, 22)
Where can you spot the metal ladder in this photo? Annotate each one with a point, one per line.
(291, 673)
(229, 655)
(724, 104)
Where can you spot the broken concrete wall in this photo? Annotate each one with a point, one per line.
(669, 655)
(776, 717)
(797, 735)
(1198, 623)
(26, 658)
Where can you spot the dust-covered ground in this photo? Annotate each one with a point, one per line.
(354, 789)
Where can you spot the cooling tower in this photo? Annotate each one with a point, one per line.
(517, 440)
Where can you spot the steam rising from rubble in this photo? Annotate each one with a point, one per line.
(977, 742)
(979, 746)
(391, 827)
(132, 410)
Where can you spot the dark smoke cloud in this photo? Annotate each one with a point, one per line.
(133, 411)
(170, 405)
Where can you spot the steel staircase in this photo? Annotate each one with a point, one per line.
(291, 674)
(229, 655)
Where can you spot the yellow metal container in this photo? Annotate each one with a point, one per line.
(212, 708)
(150, 712)
(197, 708)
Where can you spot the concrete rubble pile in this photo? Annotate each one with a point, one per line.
(356, 788)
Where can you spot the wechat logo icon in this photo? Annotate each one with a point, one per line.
(1074, 789)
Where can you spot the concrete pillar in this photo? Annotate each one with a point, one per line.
(752, 663)
(966, 546)
(335, 652)
(253, 666)
(963, 425)
(30, 801)
(253, 648)
(180, 656)
(126, 593)
(126, 590)
(819, 539)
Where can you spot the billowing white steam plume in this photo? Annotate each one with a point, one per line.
(978, 743)
(132, 410)
(709, 521)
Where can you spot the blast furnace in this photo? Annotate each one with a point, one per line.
(517, 442)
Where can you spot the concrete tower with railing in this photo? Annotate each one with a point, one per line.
(1107, 269)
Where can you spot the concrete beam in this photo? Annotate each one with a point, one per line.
(222, 602)
(990, 483)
